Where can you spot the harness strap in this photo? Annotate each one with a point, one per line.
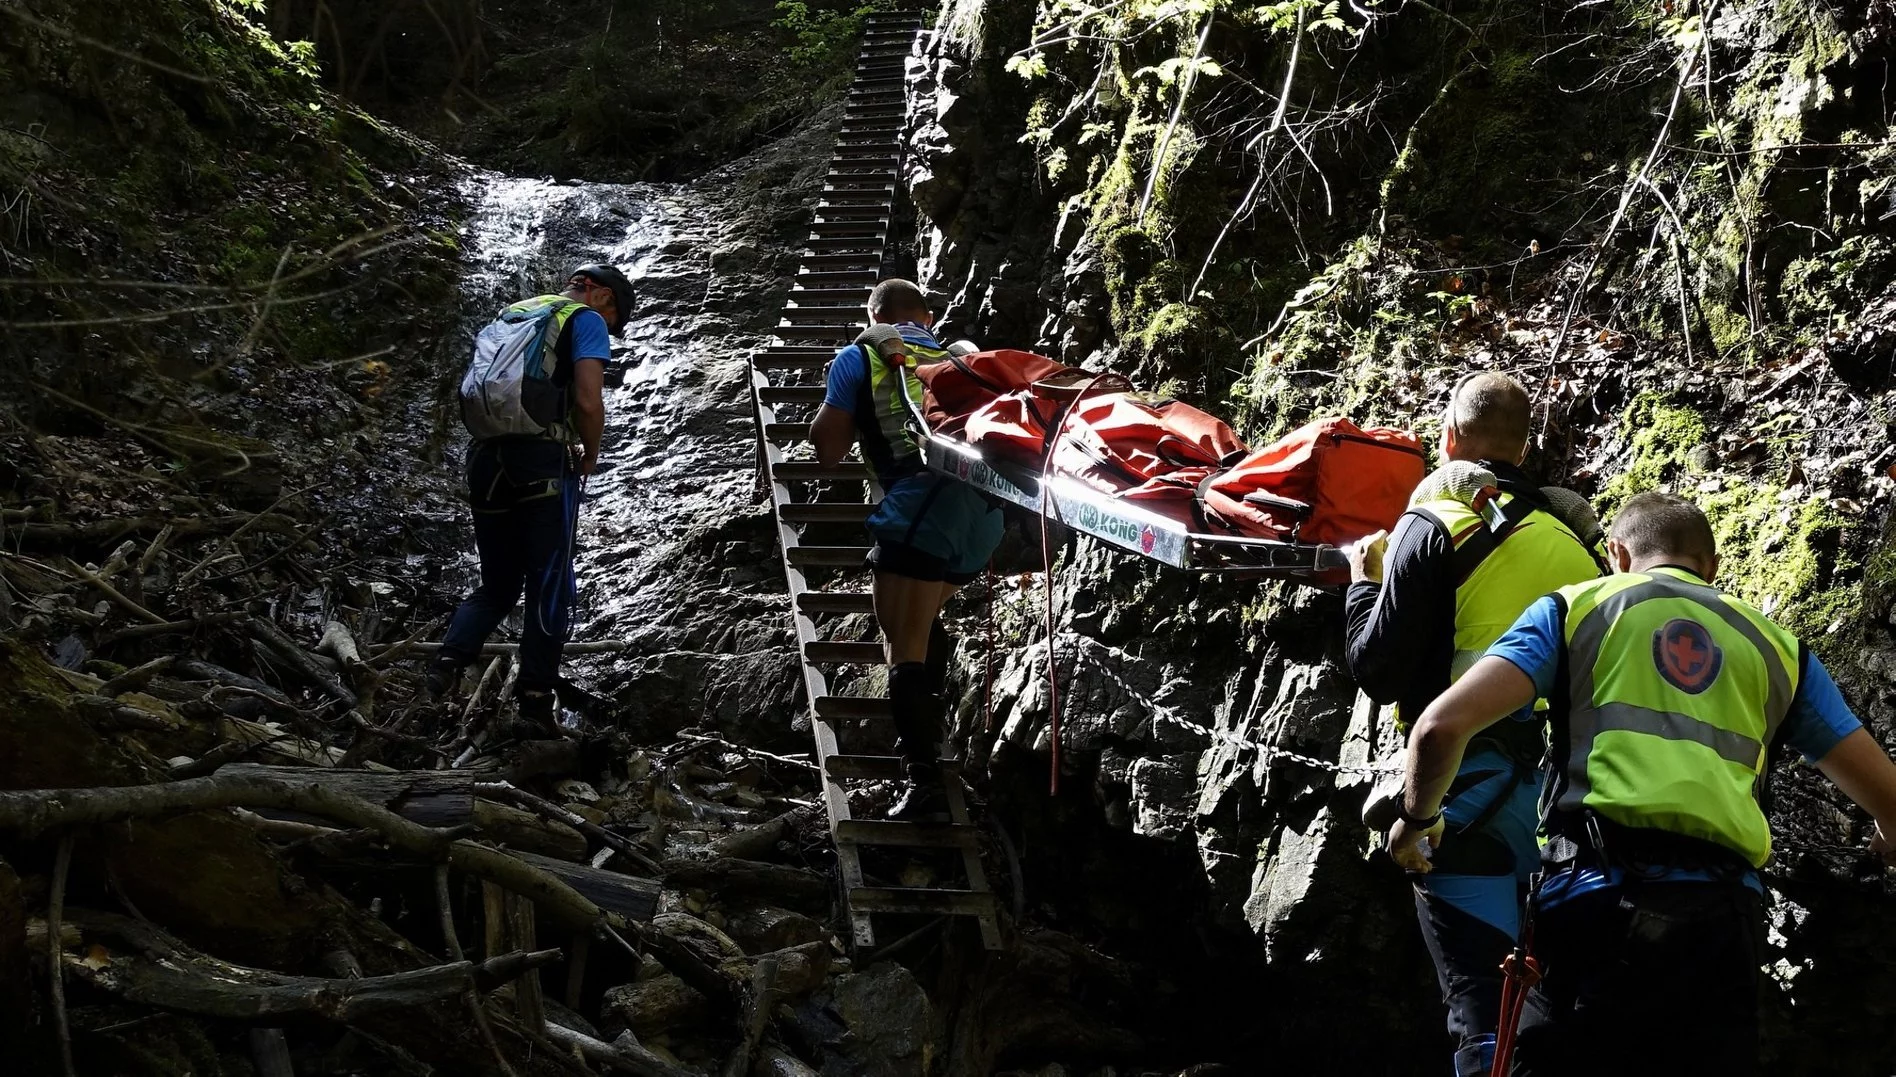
(1483, 541)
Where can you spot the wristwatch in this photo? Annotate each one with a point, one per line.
(1418, 822)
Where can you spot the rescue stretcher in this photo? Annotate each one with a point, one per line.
(1125, 525)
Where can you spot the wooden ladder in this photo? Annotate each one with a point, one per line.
(841, 261)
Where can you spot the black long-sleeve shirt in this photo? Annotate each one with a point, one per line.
(1401, 640)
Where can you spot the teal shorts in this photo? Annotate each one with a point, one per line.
(933, 528)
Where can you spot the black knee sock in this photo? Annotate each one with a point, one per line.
(941, 650)
(917, 729)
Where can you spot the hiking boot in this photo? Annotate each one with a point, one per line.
(923, 799)
(538, 712)
(441, 679)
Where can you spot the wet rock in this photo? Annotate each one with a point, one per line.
(774, 1061)
(873, 1023)
(1162, 794)
(654, 1006)
(767, 928)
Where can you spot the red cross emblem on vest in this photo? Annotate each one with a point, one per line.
(1685, 655)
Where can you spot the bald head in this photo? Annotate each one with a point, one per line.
(1487, 419)
(1663, 529)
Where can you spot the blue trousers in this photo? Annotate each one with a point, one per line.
(525, 495)
(1468, 951)
(1469, 907)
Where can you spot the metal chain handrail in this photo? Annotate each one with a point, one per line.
(1272, 753)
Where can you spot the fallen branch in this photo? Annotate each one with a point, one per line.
(135, 677)
(55, 909)
(165, 628)
(35, 811)
(204, 671)
(169, 974)
(445, 905)
(287, 649)
(118, 598)
(624, 1054)
(607, 646)
(386, 653)
(508, 792)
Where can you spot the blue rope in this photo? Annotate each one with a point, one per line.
(563, 593)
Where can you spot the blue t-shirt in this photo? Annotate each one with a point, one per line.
(1819, 717)
(850, 369)
(586, 330)
(1818, 720)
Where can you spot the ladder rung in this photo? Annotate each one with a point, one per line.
(811, 471)
(823, 315)
(837, 278)
(830, 295)
(871, 245)
(858, 708)
(896, 832)
(872, 767)
(861, 263)
(838, 652)
(874, 227)
(840, 334)
(927, 902)
(829, 557)
(793, 358)
(837, 185)
(828, 512)
(791, 394)
(786, 431)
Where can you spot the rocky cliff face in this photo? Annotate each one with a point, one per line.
(1673, 225)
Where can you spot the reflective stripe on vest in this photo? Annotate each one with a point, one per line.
(1674, 691)
(1538, 557)
(887, 444)
(566, 430)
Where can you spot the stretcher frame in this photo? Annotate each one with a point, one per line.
(1124, 524)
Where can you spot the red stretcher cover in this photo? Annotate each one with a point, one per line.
(1330, 481)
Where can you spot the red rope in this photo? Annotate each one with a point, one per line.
(1520, 972)
(1055, 431)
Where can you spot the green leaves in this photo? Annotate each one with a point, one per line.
(1285, 15)
(1177, 67)
(1686, 33)
(1030, 66)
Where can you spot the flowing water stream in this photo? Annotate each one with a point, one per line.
(673, 555)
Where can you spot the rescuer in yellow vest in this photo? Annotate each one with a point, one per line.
(1666, 697)
(1454, 578)
(932, 533)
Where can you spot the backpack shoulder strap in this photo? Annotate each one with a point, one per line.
(1476, 543)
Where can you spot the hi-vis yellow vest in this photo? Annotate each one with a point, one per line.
(1539, 556)
(1674, 692)
(882, 417)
